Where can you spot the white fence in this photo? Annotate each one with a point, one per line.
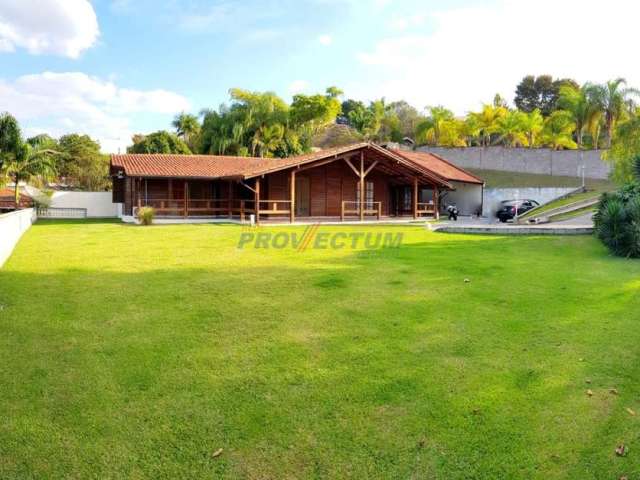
(12, 226)
(97, 204)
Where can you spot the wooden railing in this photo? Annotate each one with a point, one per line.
(275, 207)
(426, 208)
(353, 208)
(217, 207)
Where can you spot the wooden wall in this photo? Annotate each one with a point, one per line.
(329, 185)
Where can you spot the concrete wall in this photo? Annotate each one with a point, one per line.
(493, 196)
(541, 161)
(467, 197)
(12, 226)
(98, 204)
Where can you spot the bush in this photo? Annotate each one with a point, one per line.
(617, 221)
(145, 215)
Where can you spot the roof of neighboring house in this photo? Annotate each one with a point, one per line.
(438, 164)
(220, 166)
(7, 197)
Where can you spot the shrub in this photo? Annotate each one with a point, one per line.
(145, 215)
(617, 221)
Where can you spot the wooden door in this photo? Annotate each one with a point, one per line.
(302, 196)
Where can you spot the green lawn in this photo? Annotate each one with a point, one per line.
(136, 352)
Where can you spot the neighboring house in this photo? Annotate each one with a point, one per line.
(359, 181)
(8, 199)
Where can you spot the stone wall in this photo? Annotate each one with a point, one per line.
(540, 161)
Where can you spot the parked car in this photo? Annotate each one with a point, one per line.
(509, 208)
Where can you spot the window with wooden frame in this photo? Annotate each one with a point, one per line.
(368, 194)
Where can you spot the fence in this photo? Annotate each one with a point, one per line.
(12, 227)
(69, 213)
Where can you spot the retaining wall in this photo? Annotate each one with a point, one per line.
(542, 161)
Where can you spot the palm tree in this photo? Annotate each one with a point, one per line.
(186, 125)
(576, 102)
(532, 124)
(9, 139)
(430, 130)
(487, 121)
(612, 99)
(28, 163)
(558, 130)
(510, 128)
(267, 139)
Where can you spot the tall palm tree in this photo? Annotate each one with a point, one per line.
(577, 102)
(612, 99)
(267, 139)
(186, 125)
(29, 163)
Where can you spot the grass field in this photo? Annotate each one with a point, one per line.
(137, 352)
(504, 179)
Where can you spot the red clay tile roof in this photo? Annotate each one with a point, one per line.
(442, 167)
(216, 166)
(7, 198)
(212, 166)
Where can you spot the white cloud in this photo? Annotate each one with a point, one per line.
(59, 103)
(402, 23)
(64, 28)
(298, 86)
(325, 39)
(470, 54)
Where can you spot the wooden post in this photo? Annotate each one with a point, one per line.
(362, 186)
(436, 201)
(185, 210)
(230, 196)
(292, 191)
(138, 181)
(242, 210)
(379, 210)
(415, 197)
(257, 200)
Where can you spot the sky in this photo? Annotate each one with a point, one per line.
(113, 68)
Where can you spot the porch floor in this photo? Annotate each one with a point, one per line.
(165, 220)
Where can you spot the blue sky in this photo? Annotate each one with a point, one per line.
(111, 68)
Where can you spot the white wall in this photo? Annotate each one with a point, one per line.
(493, 196)
(12, 226)
(467, 197)
(98, 204)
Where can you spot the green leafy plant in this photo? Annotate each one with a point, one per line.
(145, 215)
(617, 221)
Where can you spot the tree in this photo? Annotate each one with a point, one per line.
(577, 102)
(510, 127)
(187, 126)
(613, 99)
(532, 125)
(487, 121)
(82, 164)
(541, 93)
(159, 142)
(558, 131)
(29, 163)
(10, 138)
(440, 127)
(625, 148)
